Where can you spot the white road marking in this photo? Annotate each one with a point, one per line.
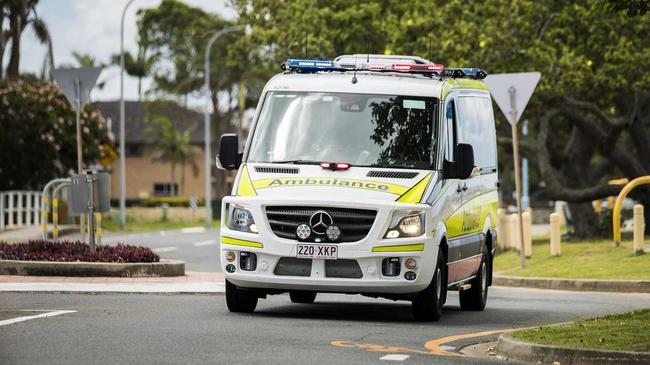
(165, 249)
(204, 243)
(394, 357)
(193, 229)
(27, 318)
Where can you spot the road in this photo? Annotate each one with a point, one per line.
(337, 329)
(199, 248)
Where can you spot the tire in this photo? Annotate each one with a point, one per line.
(475, 298)
(239, 301)
(427, 305)
(304, 297)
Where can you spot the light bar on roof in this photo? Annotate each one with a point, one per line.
(309, 65)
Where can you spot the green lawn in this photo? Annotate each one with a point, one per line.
(579, 260)
(142, 226)
(623, 332)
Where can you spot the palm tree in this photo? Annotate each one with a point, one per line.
(174, 148)
(137, 66)
(20, 14)
(85, 59)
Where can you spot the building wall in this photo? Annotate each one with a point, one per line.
(142, 174)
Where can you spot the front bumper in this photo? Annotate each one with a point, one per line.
(269, 249)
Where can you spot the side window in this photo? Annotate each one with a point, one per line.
(476, 123)
(450, 131)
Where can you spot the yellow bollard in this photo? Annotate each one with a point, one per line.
(556, 235)
(98, 227)
(513, 232)
(528, 239)
(502, 225)
(598, 206)
(55, 219)
(639, 229)
(44, 215)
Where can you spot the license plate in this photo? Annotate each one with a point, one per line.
(322, 252)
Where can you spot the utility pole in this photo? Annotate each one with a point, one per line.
(206, 119)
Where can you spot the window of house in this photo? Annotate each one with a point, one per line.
(165, 189)
(134, 150)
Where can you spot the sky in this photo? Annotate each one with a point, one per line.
(93, 27)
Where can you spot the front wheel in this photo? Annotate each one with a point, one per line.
(427, 305)
(239, 301)
(475, 298)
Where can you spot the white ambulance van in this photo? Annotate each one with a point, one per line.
(368, 174)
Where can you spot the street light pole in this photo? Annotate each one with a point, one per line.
(206, 118)
(122, 126)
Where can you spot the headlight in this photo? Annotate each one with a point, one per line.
(241, 219)
(405, 224)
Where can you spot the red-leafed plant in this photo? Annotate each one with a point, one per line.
(40, 250)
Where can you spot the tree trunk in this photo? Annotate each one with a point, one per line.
(172, 191)
(17, 26)
(583, 218)
(182, 190)
(3, 45)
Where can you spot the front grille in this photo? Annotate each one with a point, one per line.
(355, 223)
(392, 174)
(348, 269)
(291, 266)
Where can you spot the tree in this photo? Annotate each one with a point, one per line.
(174, 147)
(85, 59)
(20, 14)
(589, 114)
(38, 135)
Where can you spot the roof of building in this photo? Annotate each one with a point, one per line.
(139, 115)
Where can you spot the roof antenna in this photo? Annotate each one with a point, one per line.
(429, 51)
(354, 75)
(305, 52)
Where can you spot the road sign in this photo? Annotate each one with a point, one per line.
(506, 87)
(512, 92)
(76, 83)
(194, 202)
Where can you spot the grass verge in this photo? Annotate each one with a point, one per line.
(620, 332)
(144, 226)
(579, 260)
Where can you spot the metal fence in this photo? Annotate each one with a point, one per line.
(20, 208)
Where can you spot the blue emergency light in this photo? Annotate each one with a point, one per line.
(301, 65)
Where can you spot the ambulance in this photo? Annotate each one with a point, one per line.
(367, 174)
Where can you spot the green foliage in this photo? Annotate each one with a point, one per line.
(618, 332)
(38, 135)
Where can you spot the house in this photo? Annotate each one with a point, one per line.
(144, 177)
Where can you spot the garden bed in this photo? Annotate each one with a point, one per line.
(46, 258)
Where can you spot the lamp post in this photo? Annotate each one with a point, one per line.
(206, 117)
(122, 127)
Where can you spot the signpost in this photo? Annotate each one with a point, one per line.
(90, 194)
(76, 84)
(512, 92)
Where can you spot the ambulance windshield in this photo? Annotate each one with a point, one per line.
(360, 129)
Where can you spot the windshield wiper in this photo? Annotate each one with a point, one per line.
(297, 162)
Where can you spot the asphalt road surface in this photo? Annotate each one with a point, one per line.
(178, 329)
(199, 248)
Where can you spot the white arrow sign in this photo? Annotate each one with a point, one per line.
(512, 92)
(76, 83)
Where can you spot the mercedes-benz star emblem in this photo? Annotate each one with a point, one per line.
(319, 222)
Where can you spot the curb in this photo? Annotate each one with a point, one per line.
(164, 268)
(115, 288)
(624, 286)
(519, 350)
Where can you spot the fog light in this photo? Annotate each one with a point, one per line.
(303, 231)
(410, 264)
(409, 275)
(253, 228)
(230, 256)
(333, 233)
(264, 265)
(230, 268)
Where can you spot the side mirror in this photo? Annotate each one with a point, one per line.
(228, 157)
(463, 166)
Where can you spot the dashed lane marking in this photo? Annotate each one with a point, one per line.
(165, 249)
(204, 243)
(193, 229)
(394, 357)
(42, 315)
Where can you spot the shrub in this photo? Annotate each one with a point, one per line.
(70, 251)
